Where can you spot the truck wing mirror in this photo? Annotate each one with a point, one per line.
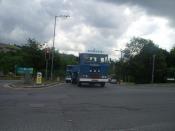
(77, 58)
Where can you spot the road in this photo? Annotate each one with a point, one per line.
(67, 107)
(7, 82)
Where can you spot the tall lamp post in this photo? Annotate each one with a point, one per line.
(121, 51)
(121, 59)
(153, 69)
(53, 46)
(47, 57)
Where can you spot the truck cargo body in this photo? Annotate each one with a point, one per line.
(93, 73)
(92, 69)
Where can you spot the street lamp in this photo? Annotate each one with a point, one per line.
(53, 46)
(121, 51)
(153, 69)
(47, 53)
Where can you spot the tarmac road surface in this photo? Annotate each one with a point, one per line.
(66, 107)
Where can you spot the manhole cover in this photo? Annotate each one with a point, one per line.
(36, 105)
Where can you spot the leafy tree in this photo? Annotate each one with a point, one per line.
(9, 60)
(171, 62)
(134, 46)
(32, 54)
(138, 66)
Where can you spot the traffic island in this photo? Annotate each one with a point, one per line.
(22, 85)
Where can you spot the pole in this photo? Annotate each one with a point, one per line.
(15, 70)
(53, 50)
(121, 55)
(121, 60)
(46, 68)
(152, 80)
(53, 47)
(121, 73)
(46, 58)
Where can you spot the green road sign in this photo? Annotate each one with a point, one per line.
(23, 70)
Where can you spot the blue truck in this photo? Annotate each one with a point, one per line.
(68, 78)
(71, 73)
(92, 69)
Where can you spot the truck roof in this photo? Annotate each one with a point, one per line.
(93, 53)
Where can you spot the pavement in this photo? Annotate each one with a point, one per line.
(66, 107)
(16, 84)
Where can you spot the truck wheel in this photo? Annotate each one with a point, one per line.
(79, 84)
(73, 82)
(102, 84)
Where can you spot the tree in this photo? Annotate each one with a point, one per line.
(172, 58)
(32, 54)
(138, 66)
(161, 55)
(171, 64)
(8, 61)
(134, 46)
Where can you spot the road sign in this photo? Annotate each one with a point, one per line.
(23, 70)
(39, 78)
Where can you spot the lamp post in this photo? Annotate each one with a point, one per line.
(47, 55)
(153, 68)
(121, 59)
(53, 46)
(121, 51)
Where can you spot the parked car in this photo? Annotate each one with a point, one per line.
(112, 79)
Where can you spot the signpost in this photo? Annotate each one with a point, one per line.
(23, 70)
(47, 57)
(27, 72)
(39, 78)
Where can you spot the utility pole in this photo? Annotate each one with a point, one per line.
(153, 68)
(121, 54)
(121, 60)
(15, 70)
(46, 68)
(53, 46)
(47, 57)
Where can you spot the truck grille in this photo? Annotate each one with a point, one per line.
(94, 76)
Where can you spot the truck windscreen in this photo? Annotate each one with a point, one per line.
(95, 58)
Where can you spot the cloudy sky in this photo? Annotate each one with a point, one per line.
(101, 24)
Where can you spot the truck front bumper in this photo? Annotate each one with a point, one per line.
(92, 80)
(68, 79)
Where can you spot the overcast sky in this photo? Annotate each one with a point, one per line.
(101, 24)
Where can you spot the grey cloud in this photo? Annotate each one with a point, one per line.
(163, 8)
(27, 16)
(99, 15)
(35, 19)
(21, 19)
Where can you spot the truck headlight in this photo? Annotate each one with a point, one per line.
(85, 76)
(104, 77)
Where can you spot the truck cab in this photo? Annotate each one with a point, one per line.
(74, 73)
(68, 78)
(93, 68)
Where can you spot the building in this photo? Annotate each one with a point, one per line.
(7, 47)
